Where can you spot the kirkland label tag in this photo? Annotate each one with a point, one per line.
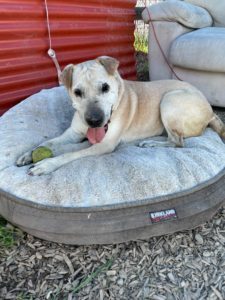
(163, 215)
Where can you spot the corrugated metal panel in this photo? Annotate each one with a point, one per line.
(80, 30)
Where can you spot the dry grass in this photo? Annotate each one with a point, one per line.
(141, 42)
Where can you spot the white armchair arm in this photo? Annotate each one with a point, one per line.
(166, 33)
(178, 11)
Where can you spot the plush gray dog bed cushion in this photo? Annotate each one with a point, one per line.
(128, 174)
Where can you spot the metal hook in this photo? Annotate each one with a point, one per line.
(52, 55)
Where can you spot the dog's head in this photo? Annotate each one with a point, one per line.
(94, 89)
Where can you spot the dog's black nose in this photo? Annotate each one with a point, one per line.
(94, 118)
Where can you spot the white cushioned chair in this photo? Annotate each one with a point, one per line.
(192, 36)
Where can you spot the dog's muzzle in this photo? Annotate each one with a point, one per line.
(94, 117)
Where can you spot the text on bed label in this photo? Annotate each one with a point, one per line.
(163, 215)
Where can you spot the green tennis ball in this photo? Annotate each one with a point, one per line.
(41, 153)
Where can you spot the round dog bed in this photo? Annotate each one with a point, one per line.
(132, 193)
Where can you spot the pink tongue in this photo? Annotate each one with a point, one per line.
(95, 135)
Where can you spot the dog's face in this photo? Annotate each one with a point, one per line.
(93, 87)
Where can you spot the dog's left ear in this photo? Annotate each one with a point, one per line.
(66, 76)
(110, 64)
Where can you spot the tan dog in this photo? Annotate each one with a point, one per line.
(110, 110)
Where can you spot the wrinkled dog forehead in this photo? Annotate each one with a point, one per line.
(103, 67)
(89, 73)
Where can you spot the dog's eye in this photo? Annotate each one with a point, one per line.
(78, 93)
(105, 87)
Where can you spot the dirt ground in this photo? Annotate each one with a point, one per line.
(186, 265)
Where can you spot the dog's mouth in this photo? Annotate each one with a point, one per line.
(96, 135)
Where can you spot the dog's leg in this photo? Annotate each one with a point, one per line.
(173, 140)
(49, 165)
(108, 144)
(168, 143)
(152, 143)
(69, 136)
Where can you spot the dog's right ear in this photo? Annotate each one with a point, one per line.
(67, 76)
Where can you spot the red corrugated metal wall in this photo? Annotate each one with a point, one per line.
(80, 29)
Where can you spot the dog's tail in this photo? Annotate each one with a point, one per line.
(217, 124)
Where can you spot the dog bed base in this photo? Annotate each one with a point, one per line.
(117, 223)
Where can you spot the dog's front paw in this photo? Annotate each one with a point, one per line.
(24, 159)
(43, 167)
